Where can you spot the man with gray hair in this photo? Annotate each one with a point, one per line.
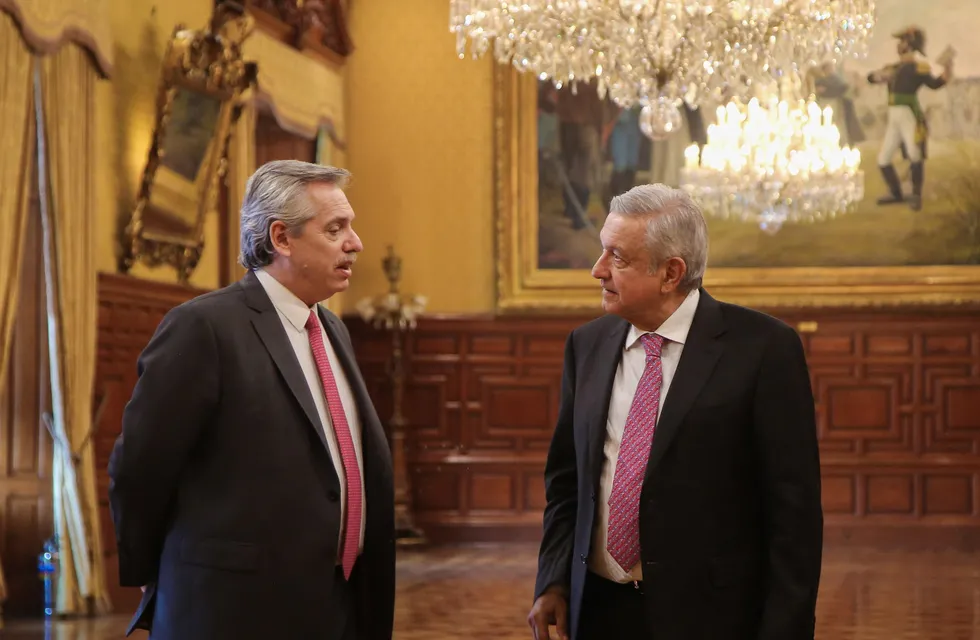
(683, 478)
(251, 486)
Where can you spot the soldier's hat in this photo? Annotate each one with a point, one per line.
(914, 36)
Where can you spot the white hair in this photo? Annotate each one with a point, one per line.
(278, 191)
(675, 227)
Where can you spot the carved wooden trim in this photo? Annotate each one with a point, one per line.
(317, 26)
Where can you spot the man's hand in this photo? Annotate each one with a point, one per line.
(550, 609)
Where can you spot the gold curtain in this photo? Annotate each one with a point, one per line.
(16, 160)
(47, 25)
(67, 81)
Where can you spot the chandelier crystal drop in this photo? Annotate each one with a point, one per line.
(639, 50)
(775, 164)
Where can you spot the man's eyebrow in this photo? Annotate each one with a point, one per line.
(340, 217)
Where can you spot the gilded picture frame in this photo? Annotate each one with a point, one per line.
(198, 103)
(522, 286)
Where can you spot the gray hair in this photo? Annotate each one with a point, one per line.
(675, 227)
(278, 191)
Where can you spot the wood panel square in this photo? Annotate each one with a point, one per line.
(426, 407)
(436, 488)
(491, 491)
(494, 344)
(889, 494)
(534, 492)
(545, 346)
(518, 407)
(831, 345)
(962, 404)
(837, 493)
(475, 373)
(889, 345)
(948, 495)
(861, 407)
(952, 424)
(947, 345)
(432, 344)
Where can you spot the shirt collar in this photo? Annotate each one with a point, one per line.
(676, 327)
(284, 300)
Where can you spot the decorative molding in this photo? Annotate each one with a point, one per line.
(319, 26)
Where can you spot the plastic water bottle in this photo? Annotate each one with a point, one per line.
(47, 566)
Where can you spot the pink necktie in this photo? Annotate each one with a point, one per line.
(352, 527)
(624, 502)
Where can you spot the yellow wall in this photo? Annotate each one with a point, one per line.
(420, 145)
(420, 135)
(126, 107)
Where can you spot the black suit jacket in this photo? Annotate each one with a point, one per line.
(731, 525)
(223, 492)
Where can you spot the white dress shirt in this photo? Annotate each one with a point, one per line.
(294, 313)
(674, 330)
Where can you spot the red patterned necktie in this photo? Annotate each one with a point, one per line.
(352, 526)
(624, 502)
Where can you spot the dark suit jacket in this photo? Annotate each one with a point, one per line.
(731, 525)
(223, 493)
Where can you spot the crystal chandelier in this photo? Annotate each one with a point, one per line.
(774, 164)
(658, 52)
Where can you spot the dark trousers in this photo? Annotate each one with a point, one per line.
(343, 603)
(611, 611)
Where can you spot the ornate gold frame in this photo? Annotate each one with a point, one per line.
(207, 62)
(523, 287)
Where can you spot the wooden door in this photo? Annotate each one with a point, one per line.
(25, 446)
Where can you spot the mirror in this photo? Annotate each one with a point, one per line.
(198, 103)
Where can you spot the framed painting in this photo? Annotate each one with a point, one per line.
(560, 155)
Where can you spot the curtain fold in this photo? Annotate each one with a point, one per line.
(16, 160)
(67, 82)
(48, 25)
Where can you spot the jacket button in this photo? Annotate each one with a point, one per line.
(593, 496)
(334, 496)
(582, 558)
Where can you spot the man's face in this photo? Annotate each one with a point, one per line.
(903, 46)
(326, 247)
(629, 289)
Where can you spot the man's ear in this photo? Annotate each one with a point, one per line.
(674, 271)
(280, 238)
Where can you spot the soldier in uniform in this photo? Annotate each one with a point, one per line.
(906, 121)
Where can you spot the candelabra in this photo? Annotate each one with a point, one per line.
(393, 313)
(774, 165)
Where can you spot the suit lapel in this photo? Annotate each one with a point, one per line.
(601, 373)
(698, 359)
(269, 327)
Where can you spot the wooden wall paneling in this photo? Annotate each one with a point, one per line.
(129, 311)
(481, 401)
(26, 518)
(897, 396)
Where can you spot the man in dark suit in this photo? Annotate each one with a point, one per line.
(683, 478)
(251, 487)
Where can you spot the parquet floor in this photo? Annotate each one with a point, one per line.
(478, 593)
